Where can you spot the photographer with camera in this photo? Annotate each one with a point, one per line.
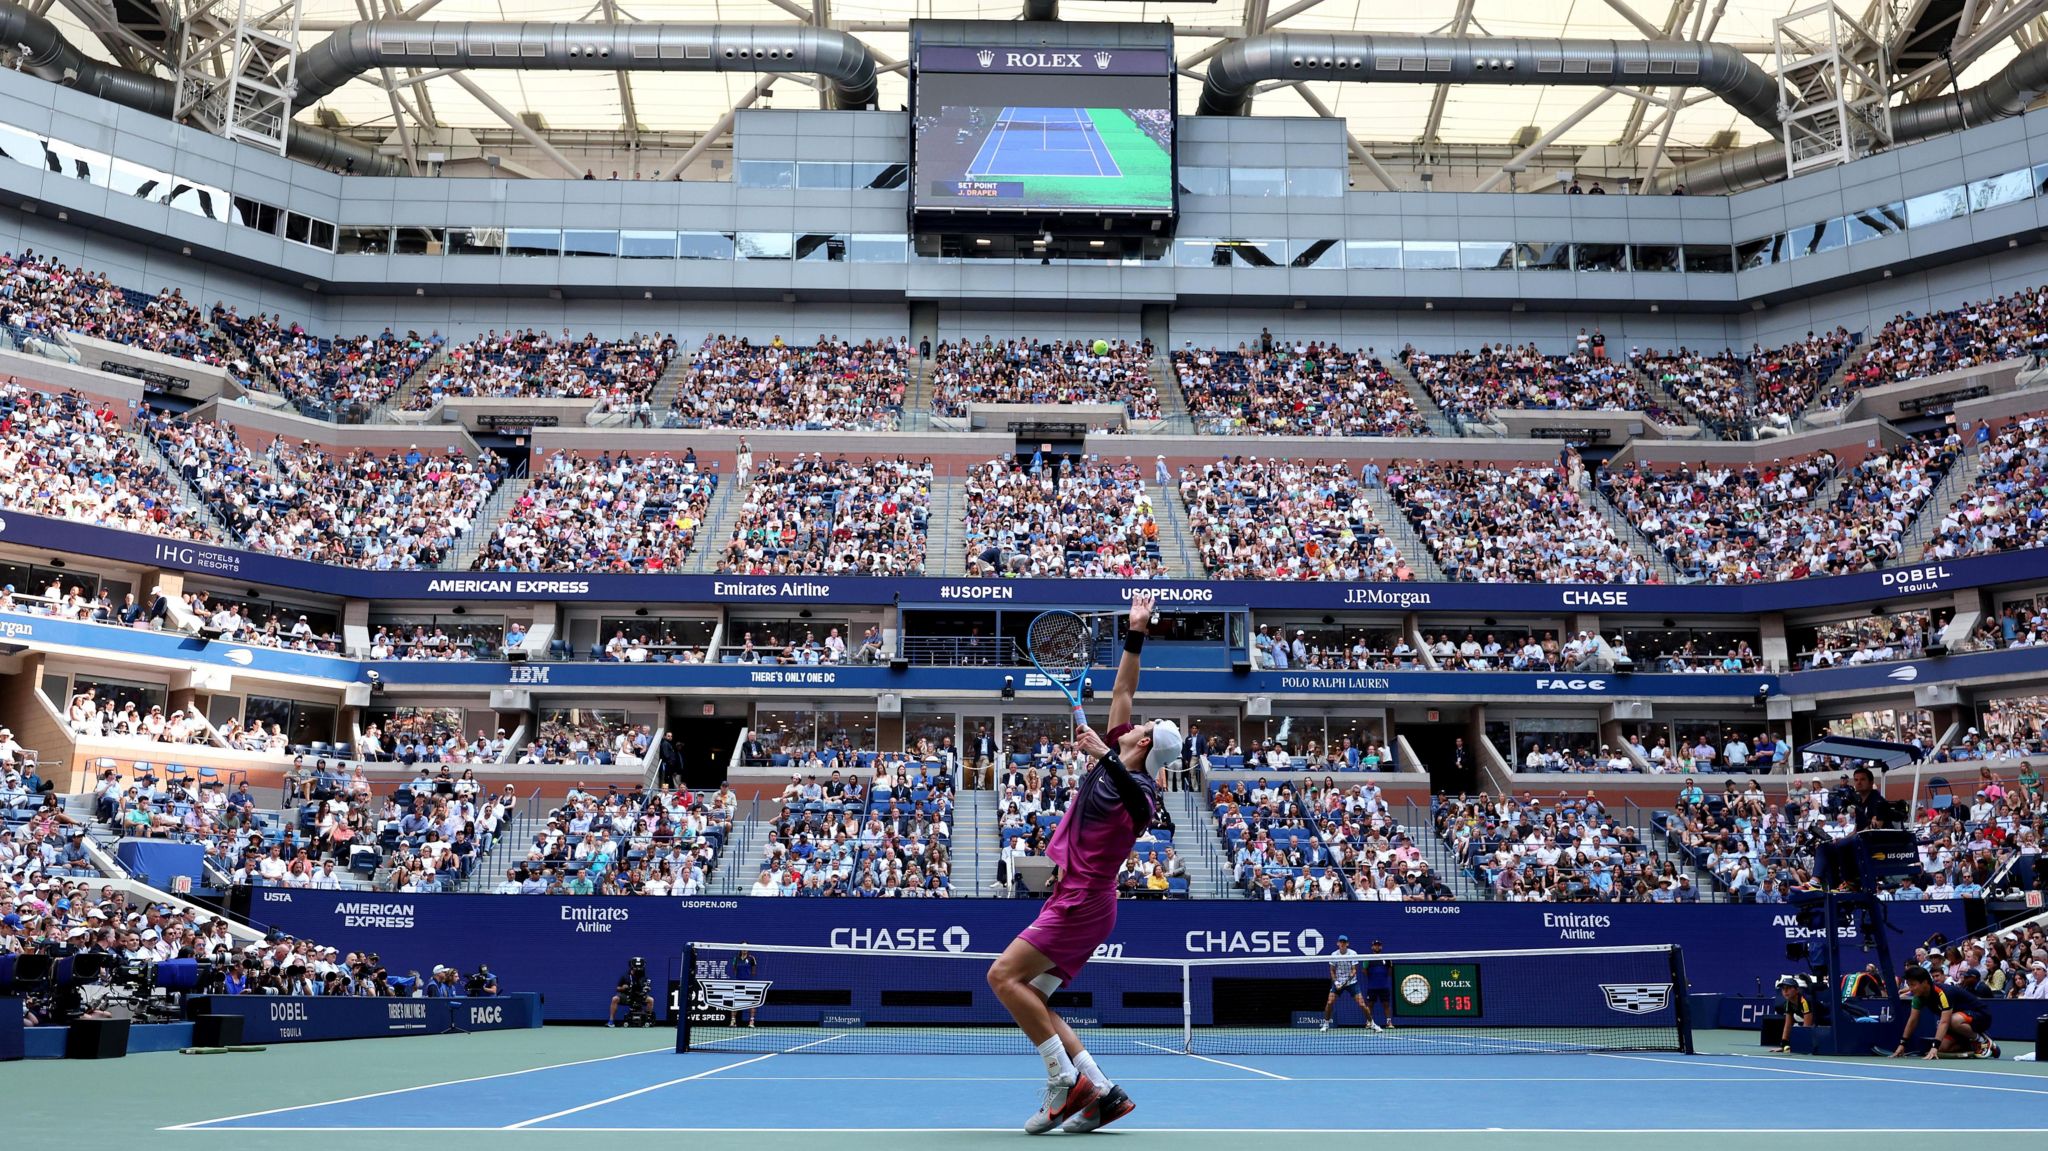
(635, 995)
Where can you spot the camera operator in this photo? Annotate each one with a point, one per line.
(634, 994)
(482, 982)
(1835, 859)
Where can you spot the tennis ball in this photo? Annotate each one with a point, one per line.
(1102, 347)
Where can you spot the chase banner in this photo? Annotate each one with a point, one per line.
(573, 950)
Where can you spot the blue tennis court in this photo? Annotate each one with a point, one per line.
(907, 1097)
(1043, 142)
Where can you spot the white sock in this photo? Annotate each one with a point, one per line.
(1085, 1064)
(1057, 1065)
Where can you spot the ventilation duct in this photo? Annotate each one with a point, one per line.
(1239, 67)
(2008, 93)
(841, 59)
(48, 55)
(1041, 9)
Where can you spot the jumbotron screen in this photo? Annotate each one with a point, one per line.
(1042, 130)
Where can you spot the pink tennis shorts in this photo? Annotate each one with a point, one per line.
(1072, 924)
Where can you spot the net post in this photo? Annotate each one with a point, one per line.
(684, 987)
(1681, 1001)
(1187, 1010)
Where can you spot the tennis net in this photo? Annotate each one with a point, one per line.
(829, 1001)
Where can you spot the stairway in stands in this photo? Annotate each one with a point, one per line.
(470, 544)
(917, 397)
(1961, 477)
(663, 398)
(1439, 423)
(1176, 546)
(188, 495)
(716, 530)
(739, 862)
(1407, 540)
(1173, 404)
(976, 845)
(414, 384)
(1441, 857)
(945, 532)
(1631, 536)
(1200, 848)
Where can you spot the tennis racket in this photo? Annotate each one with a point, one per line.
(1061, 645)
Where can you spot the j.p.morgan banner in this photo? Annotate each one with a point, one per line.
(574, 950)
(58, 536)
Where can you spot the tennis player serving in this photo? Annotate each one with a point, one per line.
(1111, 807)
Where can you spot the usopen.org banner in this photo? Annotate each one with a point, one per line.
(574, 950)
(1489, 599)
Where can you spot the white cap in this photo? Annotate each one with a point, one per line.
(1166, 745)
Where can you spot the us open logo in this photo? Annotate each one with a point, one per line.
(1637, 998)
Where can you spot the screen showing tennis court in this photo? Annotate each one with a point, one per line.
(995, 143)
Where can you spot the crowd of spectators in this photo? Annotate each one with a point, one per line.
(1516, 524)
(1476, 651)
(805, 516)
(1709, 384)
(68, 457)
(1071, 516)
(427, 736)
(838, 837)
(1329, 649)
(1911, 346)
(1523, 849)
(386, 511)
(531, 364)
(1875, 638)
(605, 513)
(2006, 506)
(1789, 379)
(1299, 389)
(42, 296)
(1032, 796)
(627, 842)
(1024, 371)
(1286, 520)
(1468, 386)
(1314, 840)
(88, 715)
(833, 385)
(588, 736)
(344, 373)
(1726, 525)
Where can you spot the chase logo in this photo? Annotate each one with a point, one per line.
(1636, 998)
(954, 939)
(1906, 674)
(1309, 942)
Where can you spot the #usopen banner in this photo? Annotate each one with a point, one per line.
(572, 951)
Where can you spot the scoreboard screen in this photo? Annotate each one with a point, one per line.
(1437, 990)
(1016, 130)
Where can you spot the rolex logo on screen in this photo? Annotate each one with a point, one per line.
(985, 57)
(1102, 60)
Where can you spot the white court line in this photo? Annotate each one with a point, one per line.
(525, 1123)
(694, 1130)
(1910, 1064)
(202, 1123)
(1230, 1079)
(1206, 1059)
(1893, 1080)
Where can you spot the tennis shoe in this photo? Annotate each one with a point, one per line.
(1376, 1029)
(1109, 1107)
(1324, 1026)
(1063, 1099)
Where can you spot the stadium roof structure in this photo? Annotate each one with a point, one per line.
(1925, 46)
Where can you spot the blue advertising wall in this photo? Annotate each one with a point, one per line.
(573, 950)
(256, 567)
(309, 1018)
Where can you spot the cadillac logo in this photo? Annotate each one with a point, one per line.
(985, 57)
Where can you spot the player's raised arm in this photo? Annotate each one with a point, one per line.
(1127, 668)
